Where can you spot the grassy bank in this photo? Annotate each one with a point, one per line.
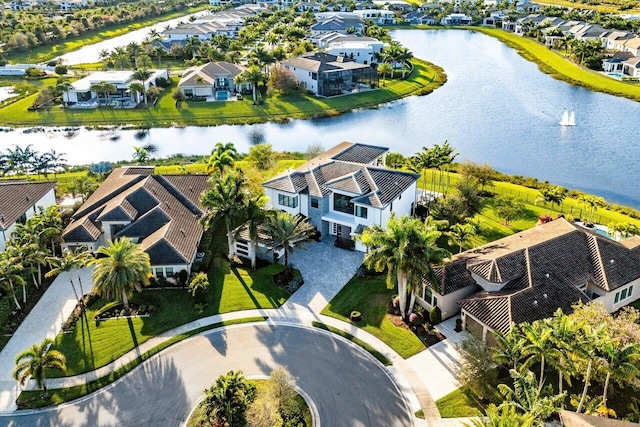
(559, 68)
(424, 79)
(46, 53)
(33, 399)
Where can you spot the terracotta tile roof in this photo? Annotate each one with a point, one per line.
(18, 197)
(164, 214)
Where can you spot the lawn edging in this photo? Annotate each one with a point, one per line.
(365, 346)
(31, 399)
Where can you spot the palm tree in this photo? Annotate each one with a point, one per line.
(460, 234)
(103, 88)
(138, 88)
(383, 70)
(539, 345)
(619, 362)
(123, 268)
(10, 276)
(510, 347)
(35, 361)
(404, 57)
(228, 399)
(255, 216)
(586, 347)
(502, 416)
(252, 75)
(223, 156)
(564, 336)
(66, 263)
(286, 231)
(406, 249)
(592, 203)
(225, 200)
(83, 187)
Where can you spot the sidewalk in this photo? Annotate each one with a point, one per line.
(422, 378)
(44, 321)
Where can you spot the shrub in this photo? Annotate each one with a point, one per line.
(61, 69)
(5, 315)
(415, 319)
(458, 327)
(435, 315)
(162, 82)
(182, 277)
(355, 316)
(34, 72)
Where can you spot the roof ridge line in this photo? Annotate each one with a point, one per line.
(528, 262)
(600, 262)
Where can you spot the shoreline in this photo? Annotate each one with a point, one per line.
(424, 79)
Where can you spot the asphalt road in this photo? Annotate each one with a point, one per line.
(348, 387)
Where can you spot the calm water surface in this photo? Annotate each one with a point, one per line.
(496, 107)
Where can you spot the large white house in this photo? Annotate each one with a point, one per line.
(160, 212)
(20, 201)
(360, 51)
(379, 16)
(213, 81)
(344, 190)
(531, 274)
(82, 90)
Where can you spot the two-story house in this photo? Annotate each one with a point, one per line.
(344, 190)
(160, 212)
(531, 274)
(213, 81)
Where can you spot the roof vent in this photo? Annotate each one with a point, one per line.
(27, 197)
(545, 296)
(612, 261)
(546, 275)
(535, 302)
(182, 231)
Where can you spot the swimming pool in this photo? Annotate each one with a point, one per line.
(615, 75)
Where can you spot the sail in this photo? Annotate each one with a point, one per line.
(572, 119)
(565, 118)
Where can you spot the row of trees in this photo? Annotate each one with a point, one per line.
(25, 160)
(586, 351)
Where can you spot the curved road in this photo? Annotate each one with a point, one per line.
(349, 388)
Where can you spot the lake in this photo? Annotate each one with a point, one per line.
(496, 107)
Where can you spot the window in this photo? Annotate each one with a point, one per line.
(159, 272)
(623, 294)
(435, 301)
(342, 203)
(427, 294)
(361, 211)
(314, 76)
(169, 271)
(288, 201)
(314, 203)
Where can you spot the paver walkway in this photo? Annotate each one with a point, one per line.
(326, 269)
(44, 321)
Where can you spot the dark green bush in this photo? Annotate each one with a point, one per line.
(6, 313)
(435, 315)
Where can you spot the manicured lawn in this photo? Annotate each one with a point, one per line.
(552, 63)
(34, 399)
(45, 53)
(370, 296)
(604, 7)
(459, 403)
(91, 346)
(424, 79)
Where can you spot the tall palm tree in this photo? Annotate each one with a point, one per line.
(502, 416)
(406, 248)
(252, 75)
(586, 348)
(10, 276)
(35, 361)
(65, 263)
(138, 88)
(539, 345)
(255, 215)
(225, 201)
(383, 70)
(223, 156)
(619, 362)
(564, 335)
(123, 268)
(286, 231)
(510, 347)
(460, 234)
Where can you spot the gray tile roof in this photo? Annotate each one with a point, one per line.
(543, 268)
(205, 75)
(373, 186)
(164, 214)
(18, 197)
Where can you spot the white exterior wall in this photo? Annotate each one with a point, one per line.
(304, 77)
(273, 201)
(608, 300)
(176, 269)
(91, 246)
(361, 55)
(106, 228)
(40, 204)
(304, 204)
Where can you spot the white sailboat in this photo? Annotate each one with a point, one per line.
(568, 119)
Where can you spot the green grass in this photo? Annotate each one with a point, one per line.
(370, 296)
(34, 398)
(424, 79)
(606, 7)
(197, 417)
(558, 67)
(375, 353)
(459, 403)
(91, 346)
(46, 53)
(419, 414)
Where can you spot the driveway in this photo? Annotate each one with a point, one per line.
(346, 384)
(325, 269)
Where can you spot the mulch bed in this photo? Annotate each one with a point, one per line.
(428, 337)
